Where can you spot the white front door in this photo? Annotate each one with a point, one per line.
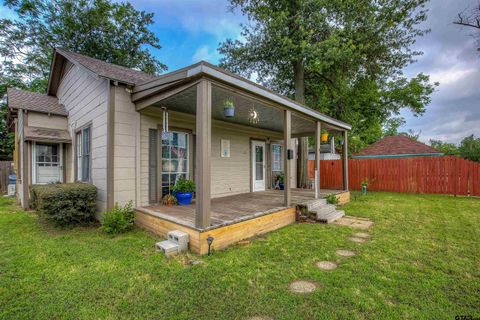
(258, 165)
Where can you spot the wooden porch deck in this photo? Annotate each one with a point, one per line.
(233, 209)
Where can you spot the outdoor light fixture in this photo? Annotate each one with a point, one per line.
(165, 119)
(253, 115)
(209, 241)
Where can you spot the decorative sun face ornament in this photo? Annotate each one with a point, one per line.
(253, 115)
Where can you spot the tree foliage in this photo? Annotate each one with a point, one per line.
(469, 148)
(352, 53)
(110, 31)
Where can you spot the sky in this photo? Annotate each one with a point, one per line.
(191, 30)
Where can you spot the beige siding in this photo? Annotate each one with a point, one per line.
(125, 134)
(85, 97)
(47, 121)
(229, 175)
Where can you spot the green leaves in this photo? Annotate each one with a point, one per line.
(353, 51)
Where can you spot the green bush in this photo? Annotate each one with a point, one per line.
(119, 219)
(65, 203)
(332, 199)
(184, 185)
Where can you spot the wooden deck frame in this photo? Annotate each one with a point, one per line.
(224, 234)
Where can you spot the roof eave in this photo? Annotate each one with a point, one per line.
(206, 69)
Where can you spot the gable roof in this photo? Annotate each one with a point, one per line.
(397, 146)
(34, 101)
(98, 67)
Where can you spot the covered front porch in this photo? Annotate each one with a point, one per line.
(236, 208)
(244, 162)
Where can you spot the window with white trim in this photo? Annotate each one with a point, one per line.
(277, 162)
(82, 141)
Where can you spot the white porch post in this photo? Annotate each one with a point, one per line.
(318, 129)
(287, 145)
(203, 153)
(345, 160)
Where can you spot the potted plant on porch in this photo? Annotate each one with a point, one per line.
(184, 190)
(281, 180)
(324, 136)
(228, 108)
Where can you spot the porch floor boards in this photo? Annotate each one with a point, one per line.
(225, 210)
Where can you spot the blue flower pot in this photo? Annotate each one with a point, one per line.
(184, 198)
(282, 186)
(229, 112)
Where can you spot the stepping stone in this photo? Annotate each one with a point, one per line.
(259, 318)
(196, 262)
(357, 240)
(302, 286)
(326, 265)
(345, 253)
(362, 235)
(354, 222)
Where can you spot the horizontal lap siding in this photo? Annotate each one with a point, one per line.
(125, 153)
(85, 98)
(43, 120)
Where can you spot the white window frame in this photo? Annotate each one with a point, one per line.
(34, 160)
(281, 157)
(79, 147)
(187, 166)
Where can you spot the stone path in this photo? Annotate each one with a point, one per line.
(354, 222)
(303, 286)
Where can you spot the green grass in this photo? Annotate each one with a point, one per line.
(423, 262)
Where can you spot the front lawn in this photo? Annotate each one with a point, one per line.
(423, 262)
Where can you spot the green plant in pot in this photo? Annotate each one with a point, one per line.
(364, 186)
(228, 108)
(281, 180)
(183, 191)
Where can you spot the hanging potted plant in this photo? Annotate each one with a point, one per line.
(281, 180)
(324, 136)
(184, 190)
(364, 186)
(228, 108)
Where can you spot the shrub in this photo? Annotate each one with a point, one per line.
(332, 199)
(119, 219)
(184, 185)
(65, 203)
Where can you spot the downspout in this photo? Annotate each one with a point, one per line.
(110, 143)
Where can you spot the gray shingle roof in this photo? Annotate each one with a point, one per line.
(34, 101)
(107, 70)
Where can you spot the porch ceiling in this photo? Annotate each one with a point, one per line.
(268, 117)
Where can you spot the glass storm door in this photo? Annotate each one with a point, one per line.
(175, 154)
(258, 165)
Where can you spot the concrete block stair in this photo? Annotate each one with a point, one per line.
(325, 213)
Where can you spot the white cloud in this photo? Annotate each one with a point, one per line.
(204, 53)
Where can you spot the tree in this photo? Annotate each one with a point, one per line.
(470, 148)
(470, 19)
(391, 126)
(343, 58)
(113, 32)
(446, 148)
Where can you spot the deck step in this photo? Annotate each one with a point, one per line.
(312, 204)
(169, 248)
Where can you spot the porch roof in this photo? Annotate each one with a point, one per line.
(179, 80)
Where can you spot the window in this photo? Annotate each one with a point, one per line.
(47, 163)
(175, 164)
(277, 162)
(82, 141)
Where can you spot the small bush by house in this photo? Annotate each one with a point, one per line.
(119, 219)
(65, 203)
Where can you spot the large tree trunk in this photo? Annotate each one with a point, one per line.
(302, 163)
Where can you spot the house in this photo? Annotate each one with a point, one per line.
(399, 146)
(133, 135)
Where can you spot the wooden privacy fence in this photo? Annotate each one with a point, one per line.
(446, 175)
(6, 168)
